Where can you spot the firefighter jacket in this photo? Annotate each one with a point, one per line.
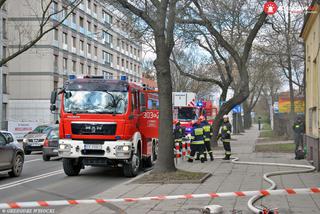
(226, 130)
(207, 130)
(197, 133)
(298, 127)
(178, 133)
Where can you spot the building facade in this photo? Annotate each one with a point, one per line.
(93, 40)
(311, 36)
(3, 69)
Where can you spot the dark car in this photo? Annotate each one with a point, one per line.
(11, 154)
(33, 141)
(51, 144)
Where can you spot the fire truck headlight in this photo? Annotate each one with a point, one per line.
(64, 146)
(25, 140)
(123, 148)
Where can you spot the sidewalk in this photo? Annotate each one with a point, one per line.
(225, 177)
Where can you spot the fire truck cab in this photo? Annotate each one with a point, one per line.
(107, 123)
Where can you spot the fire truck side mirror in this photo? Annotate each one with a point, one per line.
(143, 108)
(53, 107)
(53, 97)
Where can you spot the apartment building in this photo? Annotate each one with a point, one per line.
(3, 69)
(311, 36)
(93, 40)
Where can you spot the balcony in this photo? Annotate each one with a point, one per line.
(81, 53)
(95, 58)
(81, 6)
(89, 34)
(74, 26)
(55, 43)
(65, 47)
(82, 30)
(89, 55)
(94, 15)
(66, 22)
(73, 50)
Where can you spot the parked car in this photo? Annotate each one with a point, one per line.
(33, 141)
(11, 154)
(51, 144)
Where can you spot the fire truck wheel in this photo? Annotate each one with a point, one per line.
(131, 169)
(71, 166)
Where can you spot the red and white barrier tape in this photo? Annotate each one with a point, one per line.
(289, 192)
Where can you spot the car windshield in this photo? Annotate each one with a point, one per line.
(95, 102)
(39, 129)
(54, 134)
(186, 114)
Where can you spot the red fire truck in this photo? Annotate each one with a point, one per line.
(106, 123)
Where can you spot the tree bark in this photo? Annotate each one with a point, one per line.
(247, 120)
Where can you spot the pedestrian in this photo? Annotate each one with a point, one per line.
(197, 141)
(259, 123)
(226, 136)
(208, 132)
(298, 128)
(178, 132)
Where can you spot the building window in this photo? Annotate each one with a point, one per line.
(55, 7)
(95, 71)
(131, 49)
(127, 64)
(4, 83)
(74, 64)
(82, 68)
(4, 28)
(127, 47)
(135, 51)
(64, 12)
(56, 34)
(122, 44)
(95, 28)
(89, 26)
(95, 51)
(65, 39)
(89, 70)
(107, 37)
(89, 4)
(74, 18)
(4, 111)
(107, 75)
(4, 51)
(56, 63)
(74, 42)
(81, 46)
(118, 42)
(106, 17)
(118, 60)
(89, 48)
(122, 62)
(107, 57)
(95, 8)
(81, 21)
(65, 65)
(131, 66)
(135, 68)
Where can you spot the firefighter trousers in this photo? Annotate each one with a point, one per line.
(227, 147)
(207, 144)
(197, 148)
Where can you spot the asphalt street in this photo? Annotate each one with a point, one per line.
(46, 181)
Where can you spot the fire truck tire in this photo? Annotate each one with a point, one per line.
(71, 167)
(150, 160)
(131, 169)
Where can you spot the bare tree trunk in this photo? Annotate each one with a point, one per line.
(247, 120)
(165, 161)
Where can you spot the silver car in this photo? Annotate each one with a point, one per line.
(33, 141)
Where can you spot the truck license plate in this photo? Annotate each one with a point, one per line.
(92, 147)
(35, 144)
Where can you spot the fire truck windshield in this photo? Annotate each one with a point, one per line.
(95, 102)
(186, 114)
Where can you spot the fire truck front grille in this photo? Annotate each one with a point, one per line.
(93, 129)
(92, 152)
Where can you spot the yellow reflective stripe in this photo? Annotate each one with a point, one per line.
(226, 140)
(197, 142)
(207, 139)
(206, 128)
(198, 131)
(224, 128)
(211, 134)
(297, 126)
(228, 153)
(178, 140)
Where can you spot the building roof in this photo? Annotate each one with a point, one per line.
(313, 3)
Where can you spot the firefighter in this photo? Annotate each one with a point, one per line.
(197, 141)
(208, 132)
(178, 132)
(226, 136)
(298, 128)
